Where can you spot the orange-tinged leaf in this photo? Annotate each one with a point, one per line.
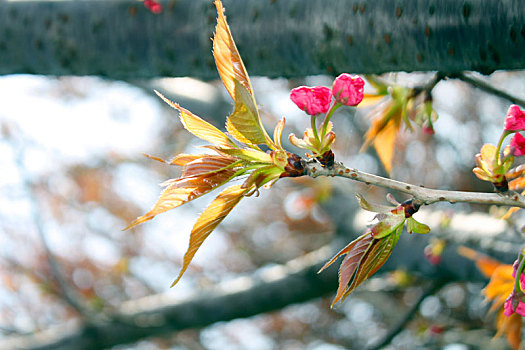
(501, 283)
(245, 123)
(513, 173)
(227, 58)
(485, 264)
(183, 158)
(384, 142)
(207, 165)
(517, 184)
(199, 127)
(370, 100)
(375, 257)
(208, 221)
(509, 213)
(511, 327)
(354, 255)
(155, 158)
(182, 190)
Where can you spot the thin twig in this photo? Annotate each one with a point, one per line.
(426, 195)
(480, 84)
(431, 289)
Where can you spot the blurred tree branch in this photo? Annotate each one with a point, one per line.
(122, 39)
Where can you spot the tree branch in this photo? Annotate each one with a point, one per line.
(122, 39)
(426, 195)
(482, 85)
(429, 290)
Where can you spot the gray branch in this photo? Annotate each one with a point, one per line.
(122, 39)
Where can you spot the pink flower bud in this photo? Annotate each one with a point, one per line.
(515, 119)
(348, 89)
(513, 304)
(428, 129)
(312, 100)
(517, 144)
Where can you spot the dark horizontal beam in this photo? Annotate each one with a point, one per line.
(277, 38)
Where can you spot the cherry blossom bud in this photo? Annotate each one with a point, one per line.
(517, 144)
(348, 89)
(428, 129)
(513, 304)
(515, 119)
(312, 100)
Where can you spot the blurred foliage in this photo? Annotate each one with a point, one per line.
(73, 177)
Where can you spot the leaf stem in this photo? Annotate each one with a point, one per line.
(331, 111)
(517, 281)
(500, 143)
(314, 128)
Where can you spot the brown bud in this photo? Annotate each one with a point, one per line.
(294, 168)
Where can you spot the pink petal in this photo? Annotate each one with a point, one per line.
(515, 119)
(312, 100)
(508, 309)
(517, 144)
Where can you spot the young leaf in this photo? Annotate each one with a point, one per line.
(261, 176)
(511, 327)
(183, 158)
(375, 256)
(251, 155)
(388, 225)
(371, 99)
(384, 143)
(199, 127)
(245, 124)
(376, 208)
(209, 219)
(182, 190)
(415, 226)
(354, 253)
(206, 165)
(485, 264)
(227, 58)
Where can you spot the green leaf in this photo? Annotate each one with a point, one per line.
(376, 208)
(250, 155)
(208, 221)
(199, 127)
(261, 176)
(388, 225)
(376, 255)
(245, 124)
(415, 226)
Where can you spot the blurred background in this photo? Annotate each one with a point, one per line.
(73, 176)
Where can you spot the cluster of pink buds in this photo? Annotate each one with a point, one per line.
(514, 123)
(346, 90)
(491, 165)
(515, 303)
